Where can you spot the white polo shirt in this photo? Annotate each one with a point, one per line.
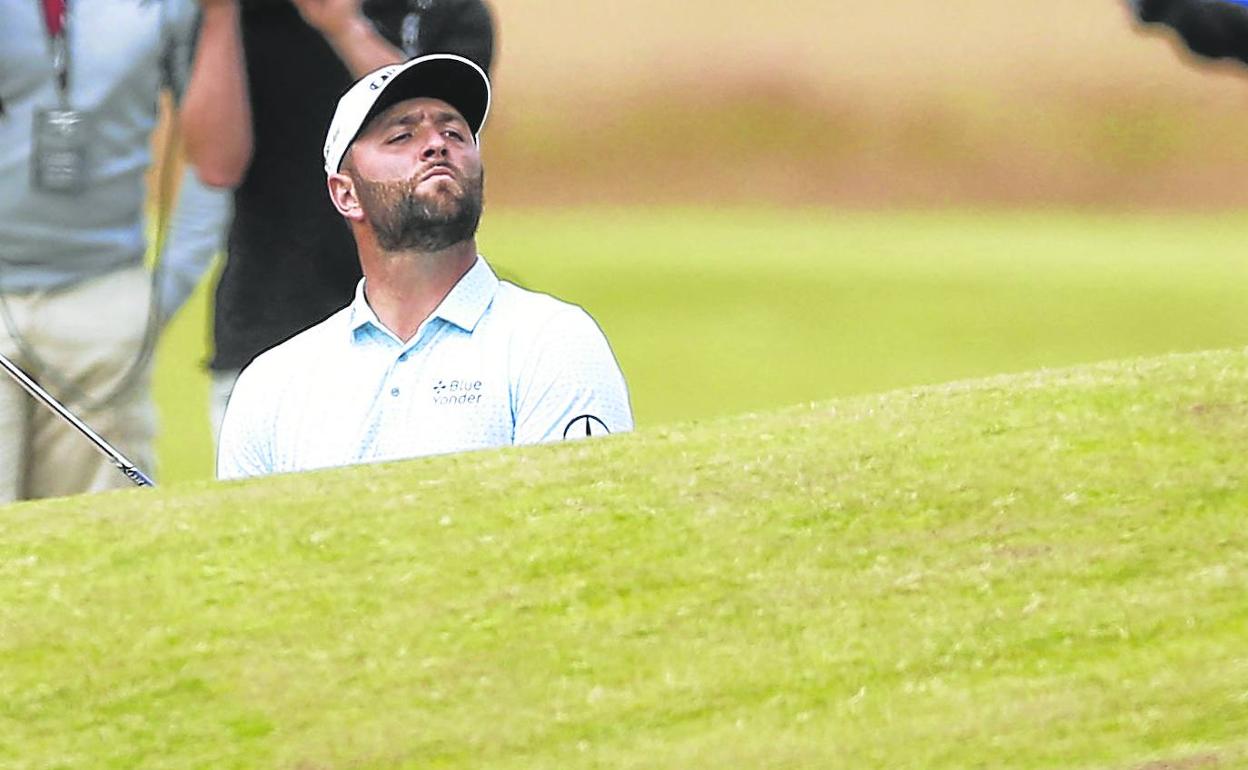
(493, 365)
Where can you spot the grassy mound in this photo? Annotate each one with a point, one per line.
(1035, 571)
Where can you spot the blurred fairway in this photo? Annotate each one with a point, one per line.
(1037, 571)
(716, 312)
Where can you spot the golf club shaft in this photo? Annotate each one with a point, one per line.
(137, 476)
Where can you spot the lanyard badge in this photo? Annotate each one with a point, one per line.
(62, 136)
(59, 162)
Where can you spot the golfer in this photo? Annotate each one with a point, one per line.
(435, 354)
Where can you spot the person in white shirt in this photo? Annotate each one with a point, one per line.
(435, 354)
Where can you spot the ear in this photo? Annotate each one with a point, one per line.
(342, 193)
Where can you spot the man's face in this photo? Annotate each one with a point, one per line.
(418, 176)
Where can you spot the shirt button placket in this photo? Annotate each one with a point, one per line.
(394, 391)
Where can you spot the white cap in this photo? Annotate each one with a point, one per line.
(453, 79)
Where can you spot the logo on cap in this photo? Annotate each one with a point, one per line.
(381, 79)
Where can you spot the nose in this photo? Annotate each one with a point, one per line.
(435, 146)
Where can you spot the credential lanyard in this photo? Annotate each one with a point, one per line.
(54, 12)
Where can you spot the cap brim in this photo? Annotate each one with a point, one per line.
(453, 80)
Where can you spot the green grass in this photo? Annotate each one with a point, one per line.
(1037, 571)
(717, 313)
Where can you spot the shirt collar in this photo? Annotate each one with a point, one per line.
(463, 306)
(470, 297)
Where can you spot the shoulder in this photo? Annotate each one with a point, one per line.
(533, 309)
(305, 350)
(545, 331)
(537, 317)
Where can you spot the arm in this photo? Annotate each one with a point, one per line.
(349, 32)
(570, 385)
(1216, 29)
(216, 113)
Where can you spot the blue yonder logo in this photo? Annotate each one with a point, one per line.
(448, 392)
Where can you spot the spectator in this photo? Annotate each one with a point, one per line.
(1217, 29)
(79, 96)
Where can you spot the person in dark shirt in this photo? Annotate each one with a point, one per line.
(290, 262)
(1216, 29)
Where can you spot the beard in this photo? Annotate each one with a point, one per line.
(404, 219)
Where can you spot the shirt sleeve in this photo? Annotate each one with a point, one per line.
(180, 29)
(570, 385)
(246, 446)
(196, 234)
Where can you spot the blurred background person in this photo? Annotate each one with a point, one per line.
(290, 262)
(1217, 29)
(80, 88)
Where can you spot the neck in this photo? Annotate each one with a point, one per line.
(404, 287)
